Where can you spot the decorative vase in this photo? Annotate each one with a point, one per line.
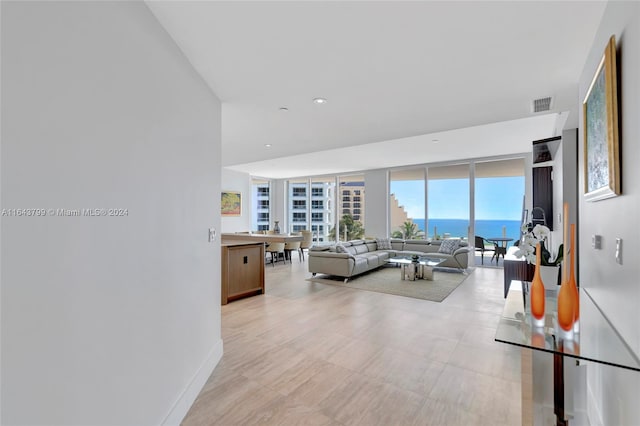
(566, 309)
(550, 276)
(572, 282)
(276, 227)
(537, 294)
(566, 296)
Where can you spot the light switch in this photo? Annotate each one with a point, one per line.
(212, 234)
(619, 251)
(596, 242)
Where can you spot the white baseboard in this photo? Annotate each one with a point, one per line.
(189, 395)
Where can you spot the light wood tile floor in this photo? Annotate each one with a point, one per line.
(315, 354)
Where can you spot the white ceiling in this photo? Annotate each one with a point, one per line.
(396, 75)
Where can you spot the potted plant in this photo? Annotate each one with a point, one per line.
(550, 265)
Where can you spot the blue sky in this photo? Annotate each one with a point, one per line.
(496, 198)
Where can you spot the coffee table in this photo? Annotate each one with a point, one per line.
(421, 268)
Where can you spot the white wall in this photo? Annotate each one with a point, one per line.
(564, 187)
(105, 320)
(377, 203)
(278, 204)
(240, 182)
(614, 392)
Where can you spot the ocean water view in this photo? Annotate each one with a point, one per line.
(484, 228)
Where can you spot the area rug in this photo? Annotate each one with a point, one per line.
(387, 280)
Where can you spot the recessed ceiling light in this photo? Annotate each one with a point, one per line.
(284, 109)
(319, 101)
(267, 145)
(435, 140)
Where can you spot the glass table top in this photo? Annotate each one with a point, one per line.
(596, 341)
(424, 260)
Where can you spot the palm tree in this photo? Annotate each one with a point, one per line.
(408, 231)
(353, 228)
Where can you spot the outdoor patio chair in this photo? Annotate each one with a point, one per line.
(483, 245)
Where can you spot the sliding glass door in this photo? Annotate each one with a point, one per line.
(298, 197)
(499, 194)
(323, 208)
(351, 197)
(406, 203)
(448, 204)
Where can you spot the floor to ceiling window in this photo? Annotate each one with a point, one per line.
(260, 204)
(298, 202)
(424, 202)
(499, 194)
(323, 208)
(406, 203)
(311, 205)
(351, 198)
(448, 201)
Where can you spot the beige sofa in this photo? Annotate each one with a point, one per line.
(358, 256)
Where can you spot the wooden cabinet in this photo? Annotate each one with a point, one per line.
(242, 270)
(515, 268)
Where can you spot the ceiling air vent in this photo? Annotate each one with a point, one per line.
(542, 104)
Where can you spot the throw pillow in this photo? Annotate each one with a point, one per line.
(384, 244)
(448, 246)
(340, 248)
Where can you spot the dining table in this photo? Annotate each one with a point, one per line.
(501, 246)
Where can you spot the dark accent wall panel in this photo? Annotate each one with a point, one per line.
(543, 192)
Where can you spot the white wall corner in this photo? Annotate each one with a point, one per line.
(190, 393)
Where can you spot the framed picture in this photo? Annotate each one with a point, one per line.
(231, 203)
(600, 113)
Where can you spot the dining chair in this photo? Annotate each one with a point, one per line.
(274, 249)
(290, 247)
(307, 241)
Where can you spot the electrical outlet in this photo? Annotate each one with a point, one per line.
(596, 242)
(212, 234)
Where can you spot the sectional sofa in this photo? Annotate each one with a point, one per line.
(354, 257)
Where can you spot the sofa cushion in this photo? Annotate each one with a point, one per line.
(372, 260)
(384, 244)
(362, 248)
(351, 250)
(382, 256)
(397, 244)
(372, 246)
(416, 245)
(361, 265)
(448, 246)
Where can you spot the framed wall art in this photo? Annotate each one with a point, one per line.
(231, 204)
(600, 115)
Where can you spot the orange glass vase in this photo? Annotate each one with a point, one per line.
(572, 282)
(537, 293)
(567, 302)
